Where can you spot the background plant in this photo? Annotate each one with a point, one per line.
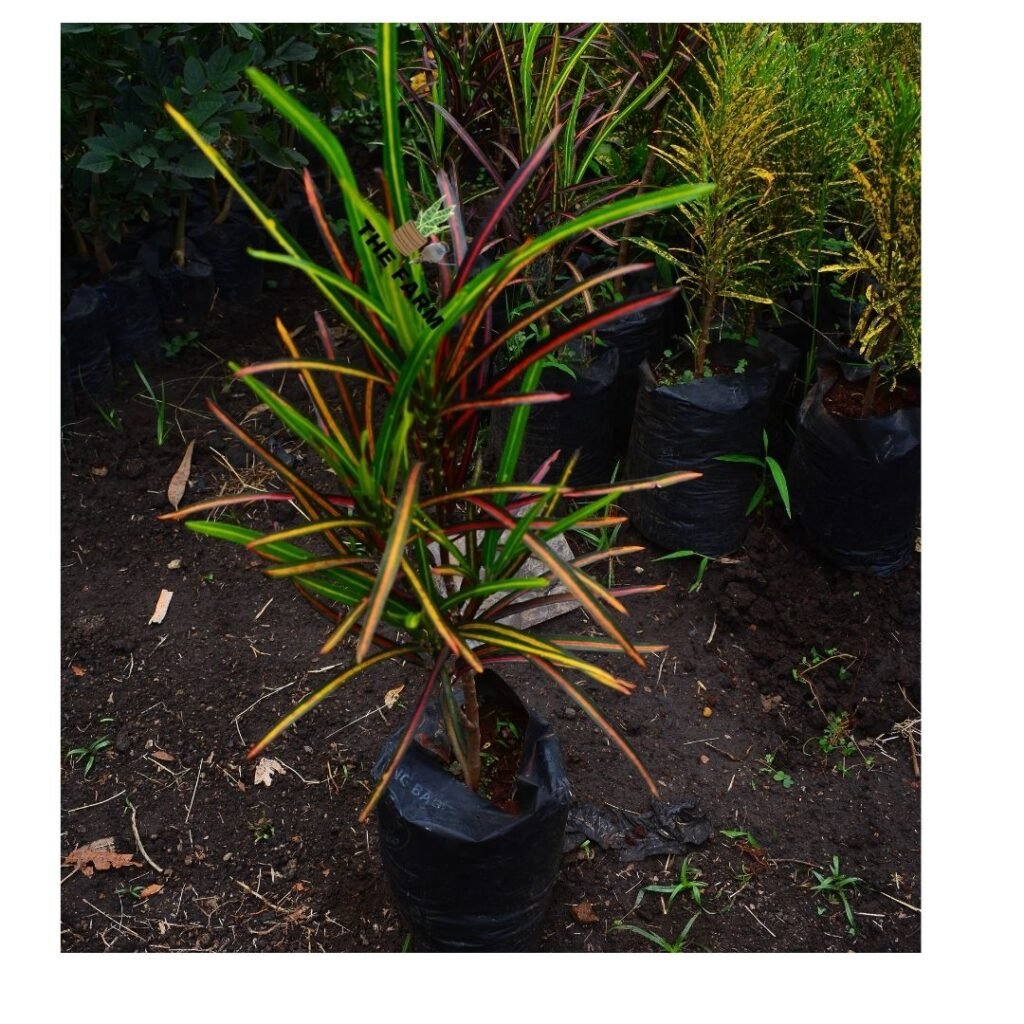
(731, 122)
(412, 543)
(887, 256)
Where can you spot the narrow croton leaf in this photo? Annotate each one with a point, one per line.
(494, 636)
(595, 716)
(325, 691)
(391, 559)
(407, 736)
(569, 577)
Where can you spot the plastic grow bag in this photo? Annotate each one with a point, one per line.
(467, 876)
(133, 316)
(638, 336)
(686, 426)
(855, 484)
(239, 276)
(584, 421)
(184, 294)
(85, 343)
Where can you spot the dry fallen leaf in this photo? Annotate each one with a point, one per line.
(162, 755)
(150, 890)
(391, 697)
(162, 604)
(584, 913)
(99, 856)
(256, 410)
(99, 471)
(176, 488)
(266, 769)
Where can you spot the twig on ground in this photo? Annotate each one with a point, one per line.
(114, 921)
(759, 921)
(138, 842)
(909, 906)
(725, 753)
(242, 714)
(199, 772)
(85, 807)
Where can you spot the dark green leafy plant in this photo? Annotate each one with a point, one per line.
(412, 556)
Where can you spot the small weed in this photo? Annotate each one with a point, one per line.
(768, 466)
(587, 850)
(835, 885)
(817, 659)
(702, 566)
(743, 837)
(687, 884)
(110, 416)
(768, 768)
(171, 347)
(162, 429)
(262, 832)
(134, 891)
(88, 754)
(682, 939)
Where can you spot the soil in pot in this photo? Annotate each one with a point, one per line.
(687, 425)
(474, 872)
(855, 481)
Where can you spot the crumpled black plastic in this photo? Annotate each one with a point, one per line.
(668, 827)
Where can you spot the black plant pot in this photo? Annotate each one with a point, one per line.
(184, 294)
(238, 275)
(133, 316)
(686, 426)
(467, 876)
(785, 397)
(855, 484)
(86, 344)
(638, 336)
(584, 422)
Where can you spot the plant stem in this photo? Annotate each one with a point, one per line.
(178, 252)
(869, 393)
(470, 717)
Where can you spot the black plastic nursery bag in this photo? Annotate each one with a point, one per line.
(686, 426)
(83, 326)
(133, 316)
(467, 876)
(856, 483)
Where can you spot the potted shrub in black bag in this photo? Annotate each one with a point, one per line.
(710, 397)
(411, 558)
(855, 468)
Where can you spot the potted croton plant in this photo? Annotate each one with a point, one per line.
(410, 556)
(708, 397)
(855, 468)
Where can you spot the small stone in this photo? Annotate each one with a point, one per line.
(707, 712)
(704, 759)
(569, 712)
(227, 857)
(174, 563)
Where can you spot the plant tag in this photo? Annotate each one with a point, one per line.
(408, 239)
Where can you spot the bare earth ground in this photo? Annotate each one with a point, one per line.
(221, 863)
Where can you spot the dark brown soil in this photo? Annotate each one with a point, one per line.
(766, 658)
